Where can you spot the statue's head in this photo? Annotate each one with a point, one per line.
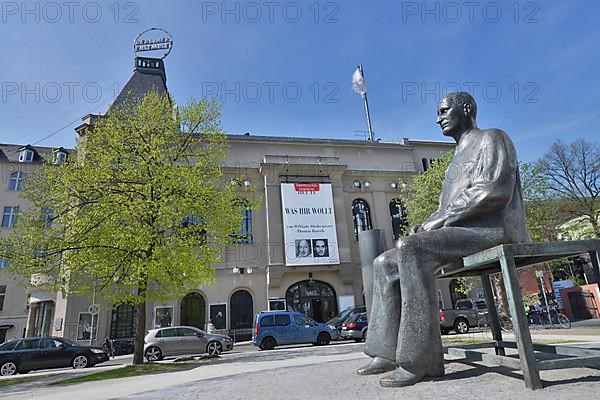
(456, 113)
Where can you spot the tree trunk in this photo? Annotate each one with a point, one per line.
(500, 293)
(140, 327)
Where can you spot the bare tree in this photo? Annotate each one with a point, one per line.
(572, 172)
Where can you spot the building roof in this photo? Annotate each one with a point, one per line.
(408, 143)
(148, 75)
(10, 152)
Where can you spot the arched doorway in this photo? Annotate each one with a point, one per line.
(242, 309)
(314, 298)
(193, 310)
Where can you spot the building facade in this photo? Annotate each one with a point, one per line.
(299, 248)
(16, 303)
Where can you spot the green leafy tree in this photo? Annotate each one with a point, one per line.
(141, 214)
(423, 194)
(423, 199)
(543, 212)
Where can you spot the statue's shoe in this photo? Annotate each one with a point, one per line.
(401, 377)
(376, 366)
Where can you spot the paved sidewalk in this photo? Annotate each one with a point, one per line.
(311, 373)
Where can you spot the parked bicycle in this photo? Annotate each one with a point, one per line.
(556, 317)
(484, 325)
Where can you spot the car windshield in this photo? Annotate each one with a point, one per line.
(344, 314)
(8, 345)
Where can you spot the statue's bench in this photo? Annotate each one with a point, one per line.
(507, 258)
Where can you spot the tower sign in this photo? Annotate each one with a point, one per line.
(157, 41)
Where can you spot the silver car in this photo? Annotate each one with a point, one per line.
(179, 340)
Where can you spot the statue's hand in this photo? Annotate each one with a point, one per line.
(414, 229)
(433, 224)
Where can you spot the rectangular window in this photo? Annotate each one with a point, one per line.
(16, 181)
(122, 321)
(60, 157)
(9, 218)
(26, 156)
(163, 317)
(244, 235)
(46, 217)
(277, 305)
(84, 326)
(3, 261)
(2, 296)
(218, 315)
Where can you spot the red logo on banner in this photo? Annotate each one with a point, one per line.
(307, 188)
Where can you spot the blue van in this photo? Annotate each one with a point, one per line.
(275, 328)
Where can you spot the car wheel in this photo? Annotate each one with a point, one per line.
(214, 348)
(323, 339)
(80, 361)
(461, 326)
(445, 331)
(153, 354)
(268, 343)
(9, 368)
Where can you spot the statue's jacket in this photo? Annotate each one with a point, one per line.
(482, 188)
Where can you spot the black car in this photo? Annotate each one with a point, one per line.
(355, 327)
(339, 319)
(24, 355)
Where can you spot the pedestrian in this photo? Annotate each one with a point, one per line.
(210, 327)
(108, 348)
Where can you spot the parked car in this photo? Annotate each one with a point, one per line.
(179, 340)
(355, 327)
(274, 328)
(24, 355)
(466, 314)
(343, 315)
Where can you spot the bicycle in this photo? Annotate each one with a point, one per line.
(483, 324)
(557, 317)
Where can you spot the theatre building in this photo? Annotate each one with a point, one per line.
(299, 248)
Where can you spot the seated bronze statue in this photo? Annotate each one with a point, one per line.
(480, 206)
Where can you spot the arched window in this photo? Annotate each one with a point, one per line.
(425, 164)
(193, 310)
(242, 310)
(361, 216)
(399, 218)
(16, 181)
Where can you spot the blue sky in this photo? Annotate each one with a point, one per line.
(284, 68)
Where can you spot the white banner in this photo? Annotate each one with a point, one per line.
(309, 224)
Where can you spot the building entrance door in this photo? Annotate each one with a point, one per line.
(314, 298)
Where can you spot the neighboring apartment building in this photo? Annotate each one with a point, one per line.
(17, 161)
(300, 248)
